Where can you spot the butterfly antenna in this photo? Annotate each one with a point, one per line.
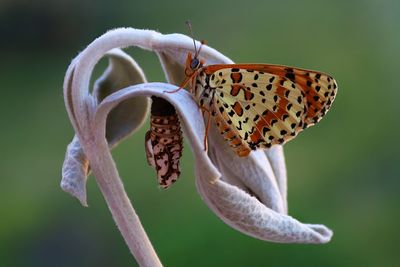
(201, 46)
(189, 25)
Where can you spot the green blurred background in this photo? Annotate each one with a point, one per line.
(343, 173)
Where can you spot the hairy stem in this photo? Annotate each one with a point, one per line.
(124, 215)
(81, 107)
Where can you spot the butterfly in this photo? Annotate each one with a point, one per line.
(258, 105)
(163, 142)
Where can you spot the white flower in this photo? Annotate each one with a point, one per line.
(248, 194)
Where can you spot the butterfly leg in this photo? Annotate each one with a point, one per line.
(204, 110)
(190, 77)
(174, 91)
(184, 83)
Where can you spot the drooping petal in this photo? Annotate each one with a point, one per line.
(187, 109)
(129, 115)
(277, 160)
(248, 215)
(254, 172)
(122, 121)
(75, 171)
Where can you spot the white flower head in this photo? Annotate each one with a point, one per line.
(249, 194)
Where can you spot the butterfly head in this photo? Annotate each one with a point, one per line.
(193, 64)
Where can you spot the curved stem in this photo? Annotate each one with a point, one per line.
(81, 108)
(124, 215)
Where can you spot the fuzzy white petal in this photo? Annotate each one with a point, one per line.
(248, 215)
(254, 172)
(277, 160)
(188, 112)
(75, 171)
(130, 115)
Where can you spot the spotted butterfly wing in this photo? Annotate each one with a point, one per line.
(260, 105)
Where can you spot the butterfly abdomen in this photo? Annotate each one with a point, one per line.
(163, 142)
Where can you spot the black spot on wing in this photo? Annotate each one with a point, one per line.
(290, 76)
(240, 126)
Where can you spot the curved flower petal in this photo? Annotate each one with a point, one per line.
(188, 112)
(123, 120)
(277, 159)
(248, 215)
(75, 171)
(254, 172)
(128, 116)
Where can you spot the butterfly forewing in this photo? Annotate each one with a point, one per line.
(268, 104)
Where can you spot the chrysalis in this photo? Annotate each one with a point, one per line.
(163, 142)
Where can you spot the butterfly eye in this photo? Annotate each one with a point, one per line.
(194, 64)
